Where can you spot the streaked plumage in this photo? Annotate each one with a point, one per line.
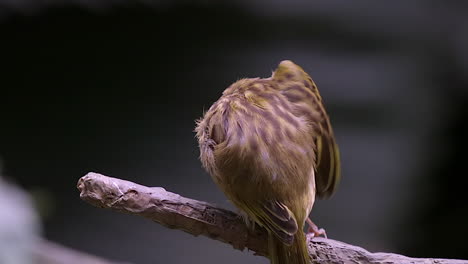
(269, 145)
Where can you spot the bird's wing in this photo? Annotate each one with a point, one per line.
(299, 88)
(275, 217)
(328, 161)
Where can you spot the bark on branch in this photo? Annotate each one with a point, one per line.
(201, 218)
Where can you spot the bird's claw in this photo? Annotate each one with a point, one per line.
(314, 230)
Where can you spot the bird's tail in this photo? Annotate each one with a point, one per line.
(281, 253)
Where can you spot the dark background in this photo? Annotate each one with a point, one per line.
(115, 88)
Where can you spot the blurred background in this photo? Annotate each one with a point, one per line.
(115, 86)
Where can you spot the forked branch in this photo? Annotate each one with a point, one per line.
(201, 218)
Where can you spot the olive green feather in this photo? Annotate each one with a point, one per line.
(268, 144)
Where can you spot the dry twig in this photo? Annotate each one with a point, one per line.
(201, 218)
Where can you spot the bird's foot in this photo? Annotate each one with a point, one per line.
(314, 230)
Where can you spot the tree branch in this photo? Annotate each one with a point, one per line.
(201, 218)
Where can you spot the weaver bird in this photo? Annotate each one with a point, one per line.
(268, 144)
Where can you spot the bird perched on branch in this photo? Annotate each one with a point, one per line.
(268, 144)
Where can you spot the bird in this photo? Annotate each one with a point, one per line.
(269, 146)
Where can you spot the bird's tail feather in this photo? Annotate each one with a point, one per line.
(281, 253)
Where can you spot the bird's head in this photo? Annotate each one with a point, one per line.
(289, 71)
